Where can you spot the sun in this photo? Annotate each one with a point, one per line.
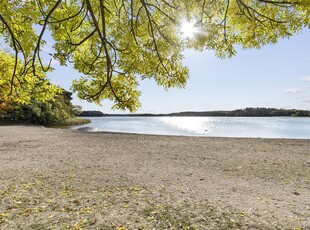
(188, 29)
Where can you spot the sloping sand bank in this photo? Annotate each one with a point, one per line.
(65, 179)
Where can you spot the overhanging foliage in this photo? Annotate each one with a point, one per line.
(115, 43)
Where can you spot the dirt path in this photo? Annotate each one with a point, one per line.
(64, 179)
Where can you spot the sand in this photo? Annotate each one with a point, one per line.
(66, 179)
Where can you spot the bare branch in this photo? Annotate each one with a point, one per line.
(37, 48)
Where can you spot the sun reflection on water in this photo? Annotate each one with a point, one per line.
(199, 125)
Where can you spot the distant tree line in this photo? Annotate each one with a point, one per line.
(249, 112)
(92, 113)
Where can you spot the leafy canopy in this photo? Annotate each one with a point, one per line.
(116, 43)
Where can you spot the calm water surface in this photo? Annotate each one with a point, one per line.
(264, 127)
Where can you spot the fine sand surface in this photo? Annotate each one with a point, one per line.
(66, 179)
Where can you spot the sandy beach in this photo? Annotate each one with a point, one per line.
(66, 179)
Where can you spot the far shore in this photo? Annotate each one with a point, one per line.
(66, 179)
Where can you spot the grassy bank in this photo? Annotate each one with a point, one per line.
(72, 122)
(63, 124)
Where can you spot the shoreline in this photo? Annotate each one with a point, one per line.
(172, 135)
(53, 178)
(196, 136)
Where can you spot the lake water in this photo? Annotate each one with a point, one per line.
(264, 127)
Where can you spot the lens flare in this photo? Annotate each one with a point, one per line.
(188, 29)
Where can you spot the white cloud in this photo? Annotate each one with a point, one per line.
(306, 99)
(307, 78)
(53, 62)
(46, 49)
(294, 91)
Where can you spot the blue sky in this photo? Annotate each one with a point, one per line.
(273, 76)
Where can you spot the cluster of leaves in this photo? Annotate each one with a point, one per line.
(115, 43)
(30, 98)
(23, 88)
(25, 93)
(5, 104)
(51, 112)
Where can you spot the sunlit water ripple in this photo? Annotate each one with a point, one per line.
(264, 127)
